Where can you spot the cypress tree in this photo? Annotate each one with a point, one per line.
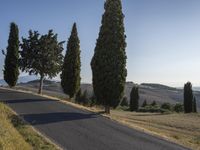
(109, 61)
(134, 99)
(11, 70)
(188, 98)
(194, 105)
(70, 76)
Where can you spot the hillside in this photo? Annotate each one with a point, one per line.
(150, 92)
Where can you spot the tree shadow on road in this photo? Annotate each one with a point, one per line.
(27, 101)
(47, 118)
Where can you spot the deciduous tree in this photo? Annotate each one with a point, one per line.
(41, 55)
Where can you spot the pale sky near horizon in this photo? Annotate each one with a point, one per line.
(163, 36)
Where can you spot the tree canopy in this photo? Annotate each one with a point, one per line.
(109, 61)
(41, 55)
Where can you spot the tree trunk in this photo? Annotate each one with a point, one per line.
(41, 84)
(107, 109)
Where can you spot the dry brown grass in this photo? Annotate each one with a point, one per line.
(10, 139)
(180, 128)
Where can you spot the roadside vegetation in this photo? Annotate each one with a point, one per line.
(15, 134)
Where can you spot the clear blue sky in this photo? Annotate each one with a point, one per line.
(163, 36)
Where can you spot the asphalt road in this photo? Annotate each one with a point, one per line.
(75, 129)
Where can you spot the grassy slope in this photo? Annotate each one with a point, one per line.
(181, 128)
(16, 135)
(10, 138)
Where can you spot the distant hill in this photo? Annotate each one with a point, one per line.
(23, 79)
(149, 92)
(157, 86)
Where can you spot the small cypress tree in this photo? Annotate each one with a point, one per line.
(144, 103)
(194, 105)
(11, 70)
(109, 60)
(70, 76)
(188, 98)
(134, 99)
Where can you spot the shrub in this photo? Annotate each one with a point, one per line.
(178, 107)
(153, 109)
(144, 103)
(166, 106)
(153, 103)
(92, 100)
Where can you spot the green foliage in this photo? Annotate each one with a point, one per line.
(70, 76)
(178, 108)
(144, 103)
(93, 100)
(153, 103)
(109, 61)
(194, 109)
(41, 55)
(134, 99)
(188, 98)
(167, 106)
(11, 70)
(124, 102)
(78, 96)
(84, 99)
(152, 109)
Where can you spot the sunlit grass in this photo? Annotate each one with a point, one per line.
(17, 135)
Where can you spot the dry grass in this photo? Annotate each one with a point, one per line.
(180, 128)
(10, 139)
(17, 135)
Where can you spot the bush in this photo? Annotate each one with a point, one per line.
(166, 106)
(144, 103)
(124, 102)
(153, 103)
(178, 108)
(92, 100)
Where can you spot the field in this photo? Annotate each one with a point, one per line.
(180, 128)
(16, 135)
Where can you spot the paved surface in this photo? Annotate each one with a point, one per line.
(75, 129)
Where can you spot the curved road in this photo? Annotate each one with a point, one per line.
(75, 129)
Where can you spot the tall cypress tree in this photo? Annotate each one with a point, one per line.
(134, 99)
(109, 61)
(11, 70)
(70, 76)
(188, 98)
